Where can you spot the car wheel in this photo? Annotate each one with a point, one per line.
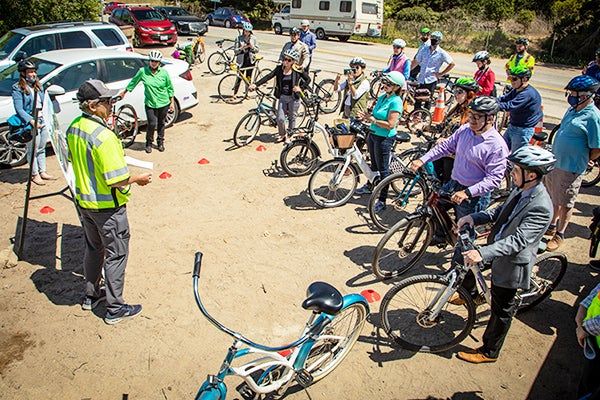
(137, 41)
(12, 153)
(172, 116)
(343, 38)
(210, 21)
(321, 34)
(227, 23)
(278, 30)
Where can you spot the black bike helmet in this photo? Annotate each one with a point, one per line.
(522, 40)
(294, 30)
(533, 158)
(485, 104)
(583, 83)
(24, 65)
(481, 56)
(468, 84)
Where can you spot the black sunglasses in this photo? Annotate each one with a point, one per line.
(288, 60)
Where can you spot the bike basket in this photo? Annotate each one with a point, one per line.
(340, 135)
(422, 94)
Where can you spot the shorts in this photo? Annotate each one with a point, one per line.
(563, 187)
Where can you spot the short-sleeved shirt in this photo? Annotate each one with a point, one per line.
(431, 63)
(382, 108)
(578, 133)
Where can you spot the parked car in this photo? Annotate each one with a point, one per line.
(66, 70)
(150, 26)
(185, 23)
(111, 5)
(227, 16)
(31, 40)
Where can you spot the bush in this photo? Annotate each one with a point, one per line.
(525, 18)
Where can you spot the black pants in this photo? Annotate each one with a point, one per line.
(156, 121)
(503, 310)
(427, 104)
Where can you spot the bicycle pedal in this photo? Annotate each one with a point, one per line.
(244, 390)
(304, 378)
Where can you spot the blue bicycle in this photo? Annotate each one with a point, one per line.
(330, 333)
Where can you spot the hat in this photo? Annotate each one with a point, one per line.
(94, 89)
(304, 22)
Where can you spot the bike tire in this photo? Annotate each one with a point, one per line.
(247, 129)
(374, 90)
(301, 115)
(501, 120)
(269, 86)
(497, 198)
(330, 99)
(548, 271)
(199, 55)
(591, 176)
(402, 246)
(402, 199)
(334, 343)
(323, 192)
(553, 133)
(217, 63)
(226, 89)
(404, 309)
(126, 125)
(299, 158)
(418, 119)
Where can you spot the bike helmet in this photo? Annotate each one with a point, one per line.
(395, 77)
(522, 40)
(24, 65)
(485, 104)
(294, 30)
(533, 158)
(291, 53)
(155, 55)
(481, 56)
(437, 34)
(520, 71)
(358, 61)
(583, 83)
(247, 26)
(399, 43)
(468, 84)
(425, 30)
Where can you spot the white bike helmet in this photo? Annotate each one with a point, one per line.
(533, 158)
(399, 43)
(155, 55)
(437, 34)
(358, 61)
(247, 26)
(291, 53)
(481, 56)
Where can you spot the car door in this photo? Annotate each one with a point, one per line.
(220, 16)
(117, 72)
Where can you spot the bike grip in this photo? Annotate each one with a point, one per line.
(197, 263)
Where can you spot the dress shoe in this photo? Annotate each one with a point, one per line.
(475, 356)
(595, 265)
(38, 180)
(457, 300)
(550, 232)
(161, 147)
(47, 177)
(554, 243)
(148, 148)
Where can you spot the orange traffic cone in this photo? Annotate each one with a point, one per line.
(440, 106)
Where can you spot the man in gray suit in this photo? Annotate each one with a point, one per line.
(519, 225)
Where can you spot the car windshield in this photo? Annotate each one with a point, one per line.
(147, 15)
(236, 12)
(177, 12)
(10, 75)
(8, 42)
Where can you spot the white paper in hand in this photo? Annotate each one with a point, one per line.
(134, 162)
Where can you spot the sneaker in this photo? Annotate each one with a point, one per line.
(161, 147)
(366, 189)
(438, 240)
(379, 206)
(92, 301)
(595, 265)
(126, 312)
(554, 243)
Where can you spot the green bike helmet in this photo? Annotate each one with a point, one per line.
(468, 84)
(520, 71)
(425, 30)
(396, 78)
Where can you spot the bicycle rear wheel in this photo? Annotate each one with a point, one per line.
(548, 271)
(227, 89)
(299, 158)
(247, 129)
(334, 343)
(591, 175)
(269, 86)
(406, 308)
(330, 99)
(402, 246)
(126, 124)
(375, 88)
(419, 119)
(217, 63)
(405, 193)
(331, 185)
(501, 120)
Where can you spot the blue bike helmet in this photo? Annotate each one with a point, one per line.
(583, 83)
(247, 26)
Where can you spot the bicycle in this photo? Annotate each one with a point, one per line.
(220, 60)
(194, 53)
(233, 88)
(124, 123)
(419, 313)
(405, 243)
(331, 331)
(329, 99)
(264, 113)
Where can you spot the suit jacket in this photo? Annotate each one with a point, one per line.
(514, 253)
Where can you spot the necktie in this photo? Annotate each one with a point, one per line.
(507, 211)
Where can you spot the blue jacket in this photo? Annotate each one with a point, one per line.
(525, 107)
(23, 103)
(309, 39)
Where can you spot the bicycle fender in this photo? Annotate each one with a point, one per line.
(354, 298)
(210, 391)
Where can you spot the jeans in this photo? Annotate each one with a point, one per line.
(38, 158)
(517, 137)
(380, 149)
(288, 107)
(156, 121)
(468, 206)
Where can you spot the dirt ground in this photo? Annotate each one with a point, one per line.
(264, 242)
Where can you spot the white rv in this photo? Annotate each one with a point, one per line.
(341, 18)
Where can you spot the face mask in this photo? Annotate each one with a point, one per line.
(482, 67)
(423, 39)
(434, 42)
(573, 100)
(30, 80)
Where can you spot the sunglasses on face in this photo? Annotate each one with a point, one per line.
(474, 117)
(107, 100)
(386, 82)
(396, 47)
(354, 66)
(459, 91)
(288, 60)
(513, 78)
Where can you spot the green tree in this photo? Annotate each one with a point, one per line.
(33, 12)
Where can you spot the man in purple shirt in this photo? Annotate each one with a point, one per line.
(480, 158)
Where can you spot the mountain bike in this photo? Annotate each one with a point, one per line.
(220, 60)
(421, 313)
(233, 88)
(332, 329)
(124, 123)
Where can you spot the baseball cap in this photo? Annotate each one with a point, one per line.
(94, 89)
(304, 22)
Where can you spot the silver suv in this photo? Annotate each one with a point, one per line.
(31, 40)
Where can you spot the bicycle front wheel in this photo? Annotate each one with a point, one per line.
(330, 99)
(232, 89)
(217, 63)
(299, 158)
(548, 271)
(591, 175)
(331, 184)
(406, 315)
(418, 120)
(334, 343)
(126, 125)
(375, 88)
(247, 129)
(404, 193)
(402, 246)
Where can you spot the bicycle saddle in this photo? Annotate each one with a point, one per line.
(540, 136)
(402, 137)
(315, 71)
(258, 58)
(323, 297)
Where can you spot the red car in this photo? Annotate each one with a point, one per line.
(151, 27)
(111, 5)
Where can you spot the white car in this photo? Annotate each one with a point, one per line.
(68, 69)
